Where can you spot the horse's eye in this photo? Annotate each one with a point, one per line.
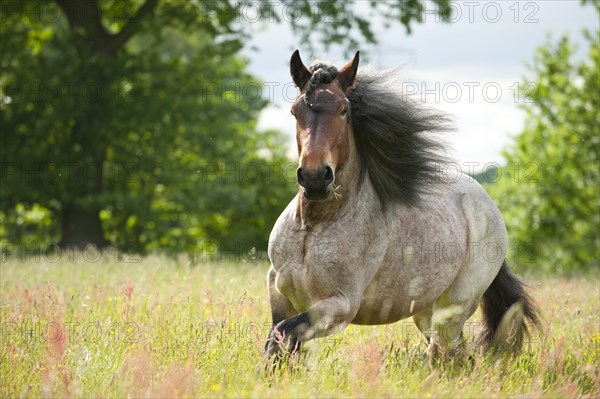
(344, 112)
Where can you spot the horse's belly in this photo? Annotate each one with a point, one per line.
(390, 310)
(410, 280)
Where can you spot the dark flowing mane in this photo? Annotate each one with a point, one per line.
(393, 136)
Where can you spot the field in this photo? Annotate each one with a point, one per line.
(153, 327)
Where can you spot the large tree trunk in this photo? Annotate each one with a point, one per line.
(81, 227)
(80, 217)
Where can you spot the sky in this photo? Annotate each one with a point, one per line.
(467, 68)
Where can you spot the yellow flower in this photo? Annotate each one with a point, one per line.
(215, 388)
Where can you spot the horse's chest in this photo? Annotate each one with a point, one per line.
(304, 262)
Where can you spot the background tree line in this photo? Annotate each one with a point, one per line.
(549, 191)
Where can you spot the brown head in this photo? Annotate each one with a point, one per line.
(322, 112)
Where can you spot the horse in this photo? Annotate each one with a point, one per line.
(378, 232)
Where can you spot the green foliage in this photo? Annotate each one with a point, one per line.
(549, 193)
(28, 224)
(347, 22)
(136, 137)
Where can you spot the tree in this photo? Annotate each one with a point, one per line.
(549, 191)
(110, 106)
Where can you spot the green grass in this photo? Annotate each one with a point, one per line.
(153, 327)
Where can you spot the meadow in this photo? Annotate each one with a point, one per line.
(157, 327)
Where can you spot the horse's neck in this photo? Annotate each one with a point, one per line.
(346, 188)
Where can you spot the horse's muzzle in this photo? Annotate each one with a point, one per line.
(317, 182)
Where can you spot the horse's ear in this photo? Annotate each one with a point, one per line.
(299, 73)
(347, 73)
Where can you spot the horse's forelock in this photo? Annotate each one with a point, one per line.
(322, 73)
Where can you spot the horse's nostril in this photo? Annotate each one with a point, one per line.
(300, 176)
(328, 175)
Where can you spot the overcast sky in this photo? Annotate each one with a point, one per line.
(467, 68)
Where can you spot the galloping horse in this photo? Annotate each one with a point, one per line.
(378, 232)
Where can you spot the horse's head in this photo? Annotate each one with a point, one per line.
(322, 112)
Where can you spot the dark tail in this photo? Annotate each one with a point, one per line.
(506, 306)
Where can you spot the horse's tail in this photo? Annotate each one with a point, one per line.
(506, 307)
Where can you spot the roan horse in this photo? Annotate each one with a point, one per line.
(377, 233)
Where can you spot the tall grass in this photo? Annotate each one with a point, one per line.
(154, 327)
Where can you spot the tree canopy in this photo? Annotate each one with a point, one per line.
(548, 192)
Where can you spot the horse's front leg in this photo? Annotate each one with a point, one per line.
(323, 318)
(281, 309)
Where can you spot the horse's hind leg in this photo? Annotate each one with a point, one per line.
(442, 324)
(423, 322)
(460, 300)
(449, 320)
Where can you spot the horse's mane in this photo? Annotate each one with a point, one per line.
(393, 134)
(394, 138)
